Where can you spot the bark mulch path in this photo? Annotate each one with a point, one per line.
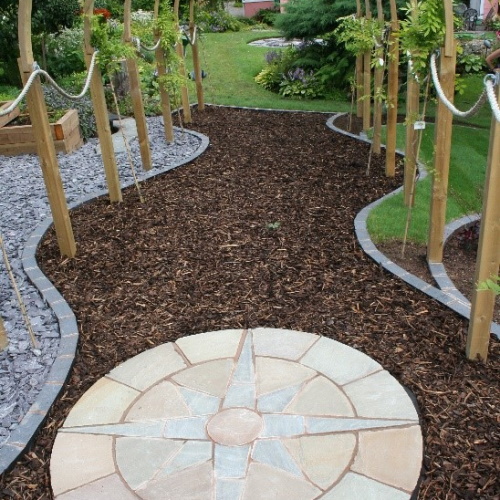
(259, 232)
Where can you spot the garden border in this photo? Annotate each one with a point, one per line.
(20, 438)
(447, 293)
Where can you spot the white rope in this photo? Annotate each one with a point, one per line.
(490, 81)
(186, 34)
(145, 47)
(39, 71)
(464, 114)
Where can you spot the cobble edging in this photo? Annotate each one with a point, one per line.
(447, 293)
(21, 438)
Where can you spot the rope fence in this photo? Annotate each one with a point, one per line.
(487, 94)
(37, 71)
(490, 81)
(139, 45)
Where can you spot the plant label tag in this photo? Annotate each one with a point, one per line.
(419, 125)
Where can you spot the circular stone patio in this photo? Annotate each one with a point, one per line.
(241, 414)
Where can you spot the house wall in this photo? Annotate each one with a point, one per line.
(251, 7)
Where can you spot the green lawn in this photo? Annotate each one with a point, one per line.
(467, 172)
(468, 166)
(232, 64)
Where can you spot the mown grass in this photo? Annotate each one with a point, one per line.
(232, 65)
(466, 179)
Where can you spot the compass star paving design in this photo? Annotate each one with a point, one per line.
(241, 415)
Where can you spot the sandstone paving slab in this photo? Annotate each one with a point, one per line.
(215, 345)
(323, 458)
(321, 397)
(162, 400)
(380, 395)
(103, 403)
(211, 377)
(86, 457)
(339, 362)
(383, 456)
(284, 344)
(275, 374)
(355, 486)
(110, 487)
(248, 420)
(148, 367)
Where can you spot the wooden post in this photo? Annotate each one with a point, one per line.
(392, 94)
(101, 112)
(367, 79)
(196, 58)
(359, 72)
(411, 149)
(379, 82)
(442, 146)
(488, 255)
(43, 136)
(4, 341)
(161, 68)
(182, 68)
(135, 93)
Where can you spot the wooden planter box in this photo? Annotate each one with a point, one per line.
(19, 139)
(7, 118)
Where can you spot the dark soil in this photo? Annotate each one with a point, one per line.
(259, 232)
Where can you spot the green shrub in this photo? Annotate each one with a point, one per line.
(470, 63)
(266, 16)
(84, 106)
(301, 84)
(65, 52)
(217, 21)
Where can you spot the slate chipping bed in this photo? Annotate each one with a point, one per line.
(259, 232)
(23, 205)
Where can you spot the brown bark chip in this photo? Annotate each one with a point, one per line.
(259, 232)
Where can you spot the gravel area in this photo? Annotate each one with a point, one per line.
(23, 205)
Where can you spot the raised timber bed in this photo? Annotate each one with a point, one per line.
(7, 118)
(19, 139)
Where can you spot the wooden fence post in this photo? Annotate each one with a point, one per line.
(442, 145)
(359, 91)
(136, 94)
(196, 58)
(488, 254)
(182, 68)
(101, 112)
(392, 94)
(379, 82)
(367, 84)
(43, 136)
(161, 68)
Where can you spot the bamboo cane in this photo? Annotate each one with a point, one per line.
(22, 307)
(4, 341)
(412, 108)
